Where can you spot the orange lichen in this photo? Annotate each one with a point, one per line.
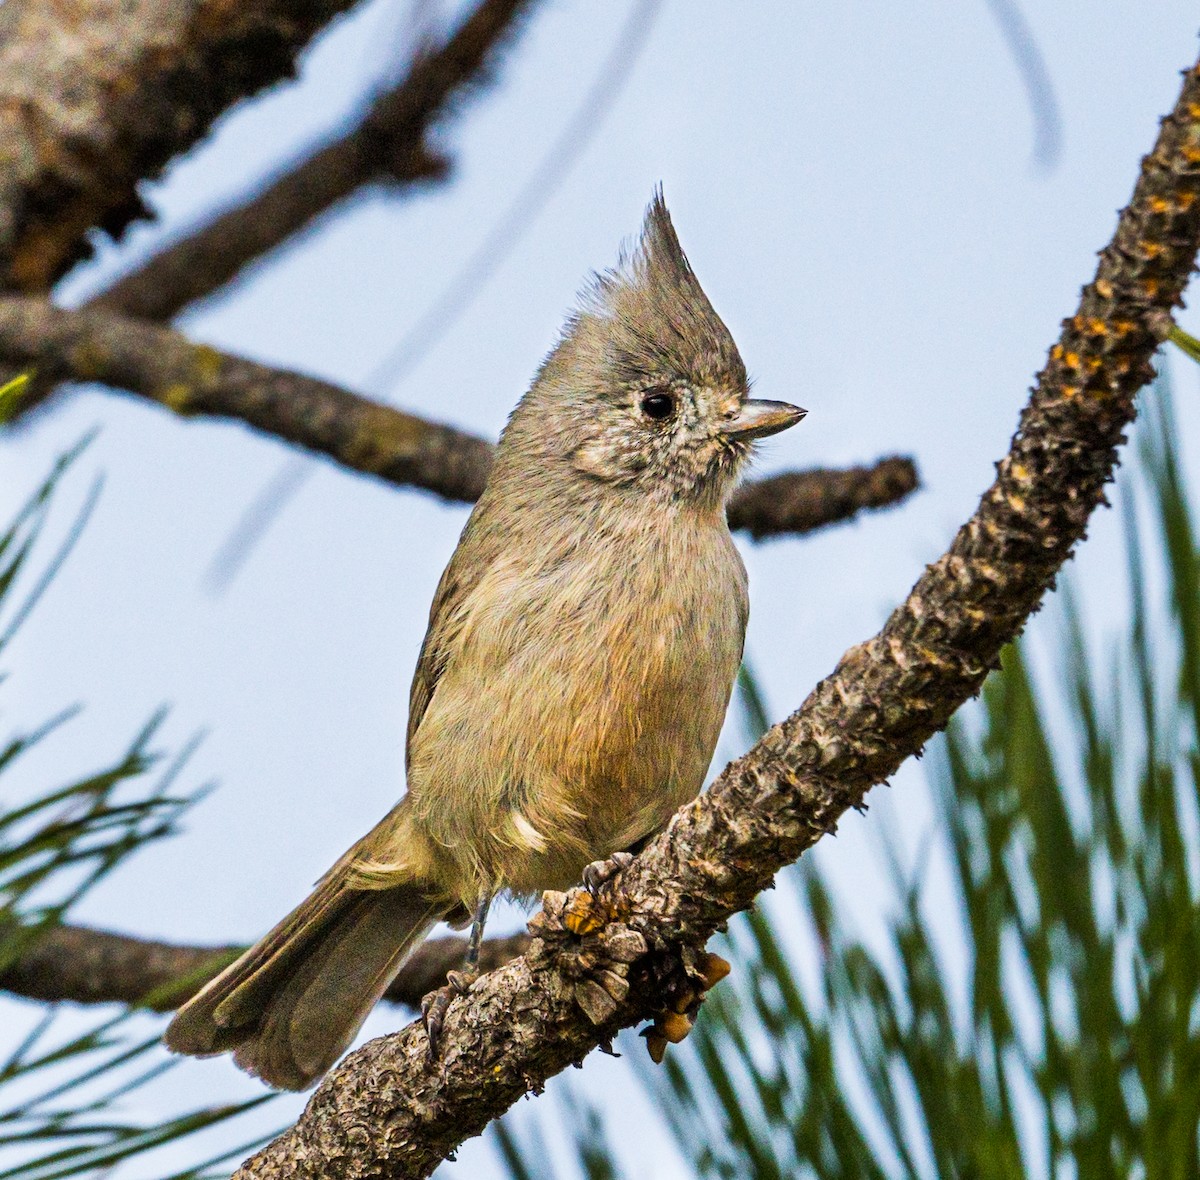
(580, 916)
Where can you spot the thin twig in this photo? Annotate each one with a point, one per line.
(387, 144)
(1035, 77)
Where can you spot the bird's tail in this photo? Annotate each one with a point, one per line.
(293, 1002)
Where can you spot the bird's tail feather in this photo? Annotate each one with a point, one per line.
(293, 1002)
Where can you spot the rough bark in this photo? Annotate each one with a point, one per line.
(97, 95)
(192, 379)
(387, 1111)
(387, 144)
(88, 966)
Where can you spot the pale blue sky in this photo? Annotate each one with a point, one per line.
(855, 187)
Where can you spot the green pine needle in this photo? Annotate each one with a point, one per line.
(69, 1100)
(11, 393)
(1185, 342)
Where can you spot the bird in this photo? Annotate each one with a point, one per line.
(581, 651)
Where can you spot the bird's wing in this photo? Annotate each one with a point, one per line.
(477, 548)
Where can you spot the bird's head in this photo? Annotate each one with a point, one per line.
(646, 390)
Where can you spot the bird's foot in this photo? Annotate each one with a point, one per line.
(434, 1005)
(586, 912)
(674, 1023)
(600, 872)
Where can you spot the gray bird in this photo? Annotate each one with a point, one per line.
(581, 650)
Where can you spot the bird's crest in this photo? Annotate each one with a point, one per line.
(655, 315)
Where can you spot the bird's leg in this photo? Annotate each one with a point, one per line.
(462, 980)
(458, 983)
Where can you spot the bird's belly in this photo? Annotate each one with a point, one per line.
(540, 770)
(576, 717)
(604, 769)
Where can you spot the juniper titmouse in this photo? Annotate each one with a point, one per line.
(581, 650)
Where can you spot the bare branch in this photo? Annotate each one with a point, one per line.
(387, 1111)
(87, 966)
(803, 501)
(162, 365)
(96, 95)
(387, 144)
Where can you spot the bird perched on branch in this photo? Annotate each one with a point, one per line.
(582, 647)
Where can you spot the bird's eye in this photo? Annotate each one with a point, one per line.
(658, 406)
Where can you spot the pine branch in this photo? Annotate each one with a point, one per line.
(386, 145)
(97, 95)
(388, 1111)
(163, 366)
(88, 966)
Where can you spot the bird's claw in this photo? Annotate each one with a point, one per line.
(435, 1005)
(600, 872)
(585, 913)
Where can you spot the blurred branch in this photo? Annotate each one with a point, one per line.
(162, 365)
(446, 309)
(803, 501)
(389, 1111)
(387, 144)
(97, 95)
(87, 966)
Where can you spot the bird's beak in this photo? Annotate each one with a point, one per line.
(757, 419)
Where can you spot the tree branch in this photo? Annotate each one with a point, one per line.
(163, 366)
(804, 501)
(96, 95)
(388, 1111)
(88, 966)
(387, 144)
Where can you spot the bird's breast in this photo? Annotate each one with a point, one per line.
(583, 701)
